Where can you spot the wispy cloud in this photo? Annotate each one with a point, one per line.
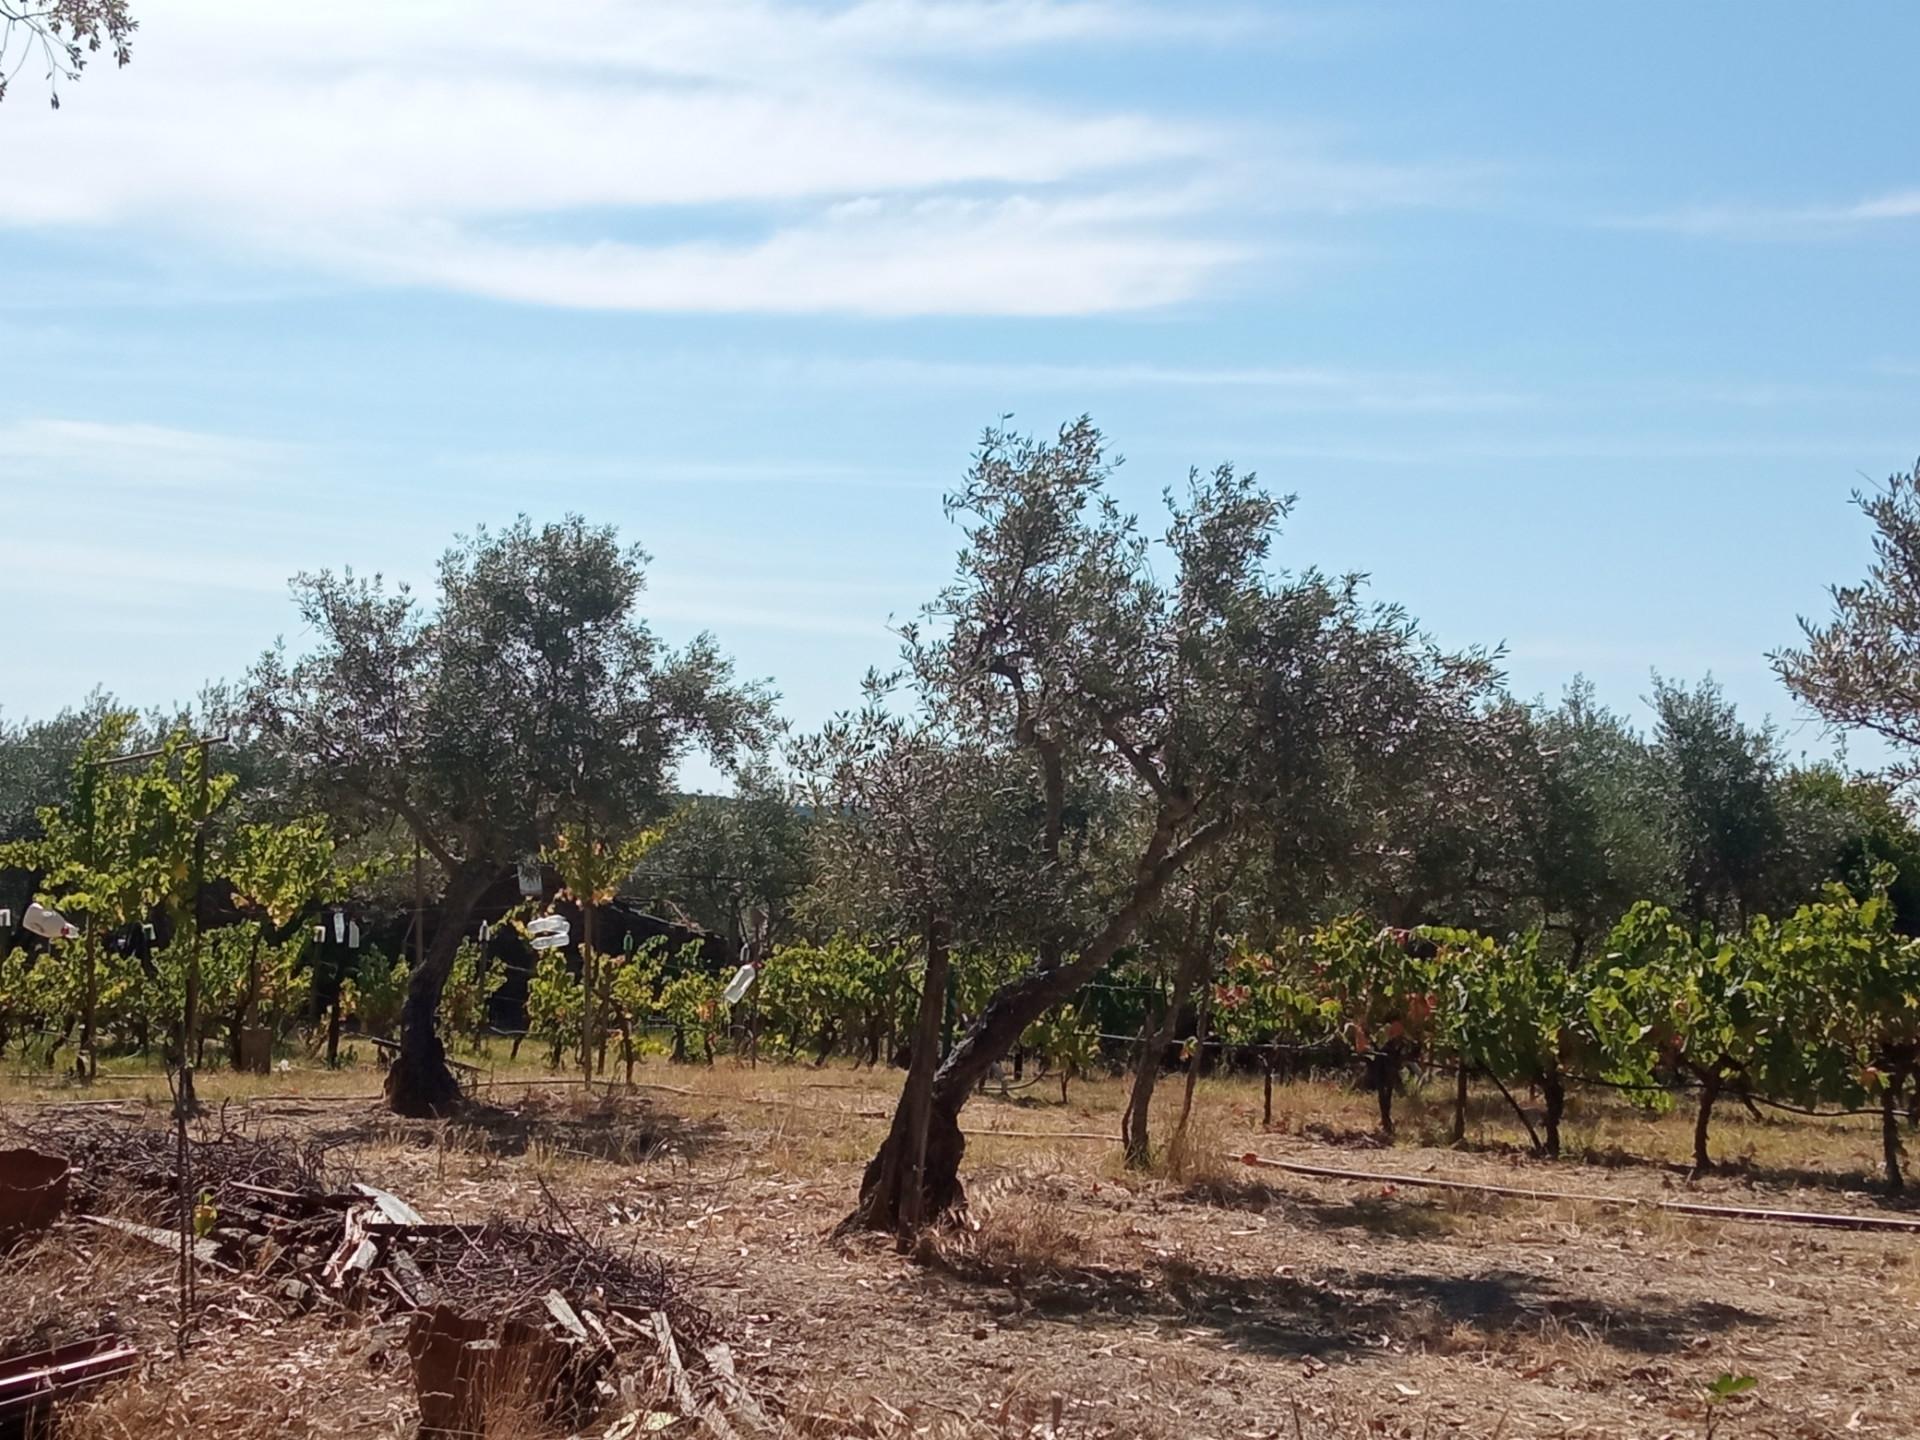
(1268, 386)
(175, 577)
(1763, 222)
(45, 453)
(1018, 256)
(509, 469)
(702, 155)
(1570, 447)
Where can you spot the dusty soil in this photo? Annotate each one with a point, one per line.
(1216, 1301)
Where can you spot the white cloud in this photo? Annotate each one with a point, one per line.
(1272, 386)
(125, 518)
(670, 154)
(145, 576)
(44, 454)
(1778, 222)
(1477, 450)
(508, 470)
(1019, 256)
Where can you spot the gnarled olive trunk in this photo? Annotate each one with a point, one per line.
(894, 1193)
(1001, 1023)
(419, 1083)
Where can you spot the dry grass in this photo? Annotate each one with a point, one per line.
(1201, 1299)
(1195, 1157)
(831, 1110)
(299, 1379)
(69, 1284)
(1015, 1227)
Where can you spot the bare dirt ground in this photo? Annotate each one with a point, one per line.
(1082, 1302)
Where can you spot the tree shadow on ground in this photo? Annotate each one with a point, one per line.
(618, 1130)
(1346, 1311)
(1390, 1214)
(1379, 1215)
(1857, 1184)
(1568, 1175)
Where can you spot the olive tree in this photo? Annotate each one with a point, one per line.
(1223, 694)
(921, 823)
(530, 696)
(727, 858)
(1600, 840)
(1861, 669)
(1719, 788)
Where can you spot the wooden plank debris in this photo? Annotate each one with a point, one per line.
(678, 1385)
(396, 1210)
(719, 1358)
(204, 1251)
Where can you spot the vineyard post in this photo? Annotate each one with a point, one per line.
(184, 1105)
(1460, 1099)
(753, 1022)
(89, 1003)
(184, 1102)
(1266, 1096)
(587, 965)
(184, 1098)
(755, 947)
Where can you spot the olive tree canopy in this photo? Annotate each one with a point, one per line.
(1861, 669)
(1224, 694)
(529, 697)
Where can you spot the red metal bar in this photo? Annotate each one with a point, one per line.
(30, 1381)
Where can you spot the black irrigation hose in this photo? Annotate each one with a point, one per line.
(1816, 1114)
(1681, 1086)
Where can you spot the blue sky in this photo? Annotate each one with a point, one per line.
(1573, 328)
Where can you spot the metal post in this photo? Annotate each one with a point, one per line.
(89, 1010)
(752, 953)
(190, 1011)
(588, 966)
(184, 1105)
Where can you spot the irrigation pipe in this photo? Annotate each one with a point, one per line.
(1825, 1219)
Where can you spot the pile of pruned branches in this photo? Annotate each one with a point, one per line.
(271, 1210)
